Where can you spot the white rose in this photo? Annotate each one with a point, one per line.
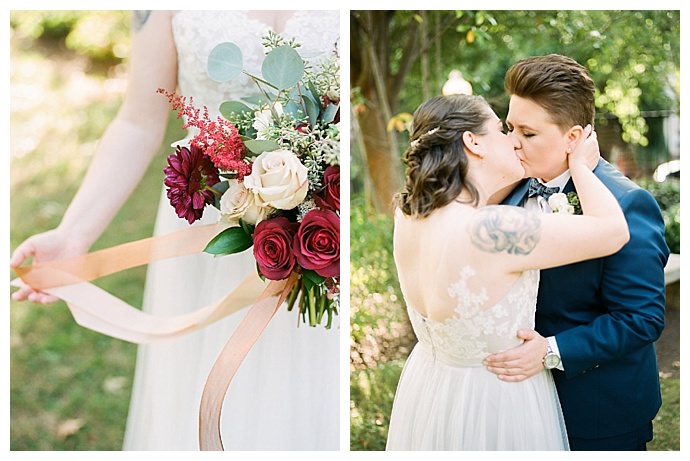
(278, 179)
(559, 204)
(263, 120)
(239, 202)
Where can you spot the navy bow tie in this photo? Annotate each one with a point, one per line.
(537, 188)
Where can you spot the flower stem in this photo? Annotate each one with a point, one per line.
(218, 194)
(293, 297)
(312, 307)
(322, 305)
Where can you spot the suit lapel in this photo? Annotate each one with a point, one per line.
(518, 196)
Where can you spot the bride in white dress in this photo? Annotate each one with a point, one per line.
(468, 273)
(285, 395)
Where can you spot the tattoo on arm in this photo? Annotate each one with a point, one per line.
(139, 18)
(505, 229)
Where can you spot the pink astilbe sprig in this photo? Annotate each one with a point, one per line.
(218, 139)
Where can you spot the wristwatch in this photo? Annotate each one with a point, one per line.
(551, 359)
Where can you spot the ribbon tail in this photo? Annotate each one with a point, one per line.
(232, 356)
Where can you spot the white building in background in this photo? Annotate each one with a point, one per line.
(456, 84)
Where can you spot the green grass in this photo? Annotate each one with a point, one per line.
(69, 386)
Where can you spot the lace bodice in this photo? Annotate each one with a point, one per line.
(475, 330)
(198, 32)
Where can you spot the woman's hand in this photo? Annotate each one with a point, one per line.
(587, 151)
(47, 246)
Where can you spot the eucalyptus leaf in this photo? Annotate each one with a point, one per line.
(255, 100)
(283, 67)
(312, 111)
(224, 62)
(314, 92)
(293, 109)
(329, 113)
(257, 146)
(228, 108)
(231, 240)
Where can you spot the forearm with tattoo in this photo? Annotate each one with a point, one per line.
(507, 229)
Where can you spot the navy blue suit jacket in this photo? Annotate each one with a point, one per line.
(606, 314)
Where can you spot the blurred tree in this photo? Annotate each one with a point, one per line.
(633, 56)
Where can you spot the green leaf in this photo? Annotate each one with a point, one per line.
(248, 228)
(219, 187)
(228, 108)
(328, 114)
(312, 279)
(257, 146)
(224, 62)
(231, 240)
(312, 111)
(314, 93)
(293, 109)
(283, 67)
(255, 100)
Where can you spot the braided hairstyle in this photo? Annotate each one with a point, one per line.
(436, 162)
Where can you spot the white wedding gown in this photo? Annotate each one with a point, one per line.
(447, 400)
(285, 395)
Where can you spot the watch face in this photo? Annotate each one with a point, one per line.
(551, 361)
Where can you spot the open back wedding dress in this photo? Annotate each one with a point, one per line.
(285, 395)
(447, 400)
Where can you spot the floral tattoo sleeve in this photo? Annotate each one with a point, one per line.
(507, 229)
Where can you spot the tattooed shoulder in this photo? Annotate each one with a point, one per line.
(508, 229)
(139, 18)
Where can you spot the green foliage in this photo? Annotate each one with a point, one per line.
(633, 56)
(372, 391)
(229, 241)
(380, 333)
(667, 195)
(98, 35)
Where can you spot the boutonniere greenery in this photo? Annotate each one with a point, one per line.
(565, 203)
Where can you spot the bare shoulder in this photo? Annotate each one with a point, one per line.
(505, 229)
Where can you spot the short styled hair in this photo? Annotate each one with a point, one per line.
(559, 84)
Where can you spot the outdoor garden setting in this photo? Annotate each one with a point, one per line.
(70, 386)
(401, 58)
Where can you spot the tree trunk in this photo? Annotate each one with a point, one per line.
(384, 168)
(370, 72)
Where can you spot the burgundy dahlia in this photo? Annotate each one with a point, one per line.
(188, 177)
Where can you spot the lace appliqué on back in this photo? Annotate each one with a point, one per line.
(475, 330)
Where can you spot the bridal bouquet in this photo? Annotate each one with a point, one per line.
(271, 165)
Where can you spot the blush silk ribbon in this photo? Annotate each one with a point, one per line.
(98, 310)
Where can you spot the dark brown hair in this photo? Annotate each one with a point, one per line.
(557, 83)
(436, 162)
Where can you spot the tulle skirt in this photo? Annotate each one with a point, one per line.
(284, 396)
(443, 407)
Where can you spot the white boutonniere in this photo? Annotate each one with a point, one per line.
(565, 203)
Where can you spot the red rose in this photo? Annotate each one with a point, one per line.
(273, 247)
(329, 196)
(317, 243)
